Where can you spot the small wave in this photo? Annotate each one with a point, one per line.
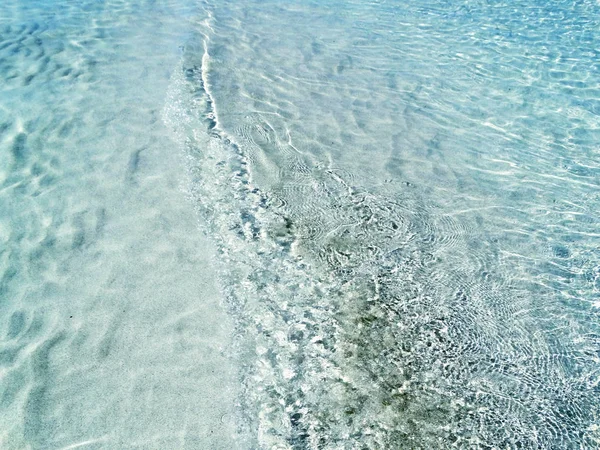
(364, 316)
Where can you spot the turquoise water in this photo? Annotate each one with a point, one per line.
(300, 225)
(111, 330)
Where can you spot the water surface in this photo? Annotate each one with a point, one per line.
(400, 200)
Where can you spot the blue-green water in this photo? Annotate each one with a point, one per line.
(397, 241)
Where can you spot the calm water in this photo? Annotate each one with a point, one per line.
(303, 225)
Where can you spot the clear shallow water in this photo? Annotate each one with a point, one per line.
(111, 333)
(410, 229)
(402, 199)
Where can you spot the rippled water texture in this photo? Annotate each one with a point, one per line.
(406, 197)
(400, 199)
(111, 335)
